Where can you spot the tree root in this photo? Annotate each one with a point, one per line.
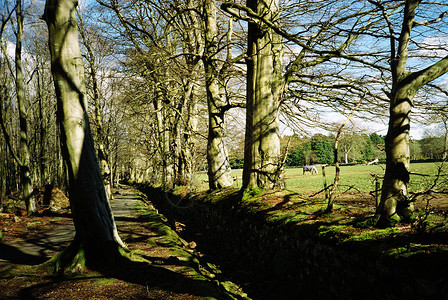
(79, 256)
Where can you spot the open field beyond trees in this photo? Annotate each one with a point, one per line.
(356, 178)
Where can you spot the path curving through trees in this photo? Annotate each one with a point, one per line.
(43, 237)
(161, 266)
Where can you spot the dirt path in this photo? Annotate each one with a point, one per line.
(166, 266)
(34, 240)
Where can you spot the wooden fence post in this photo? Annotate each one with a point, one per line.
(325, 183)
(377, 191)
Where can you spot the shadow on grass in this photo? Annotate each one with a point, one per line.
(152, 279)
(157, 278)
(170, 276)
(296, 251)
(170, 270)
(181, 281)
(44, 243)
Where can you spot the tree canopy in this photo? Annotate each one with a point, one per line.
(176, 88)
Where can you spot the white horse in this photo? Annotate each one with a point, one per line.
(311, 169)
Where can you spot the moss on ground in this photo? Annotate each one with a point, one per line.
(346, 224)
(187, 260)
(292, 247)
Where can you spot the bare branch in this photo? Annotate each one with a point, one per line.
(430, 22)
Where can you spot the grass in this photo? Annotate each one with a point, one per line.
(282, 240)
(358, 177)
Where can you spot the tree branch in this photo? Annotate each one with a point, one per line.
(426, 22)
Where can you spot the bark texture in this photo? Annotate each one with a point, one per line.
(96, 233)
(102, 138)
(219, 171)
(395, 204)
(262, 167)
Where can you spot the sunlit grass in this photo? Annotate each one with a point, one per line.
(351, 176)
(358, 178)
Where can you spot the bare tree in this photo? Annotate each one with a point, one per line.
(262, 142)
(325, 32)
(332, 193)
(395, 202)
(165, 60)
(219, 172)
(22, 158)
(102, 138)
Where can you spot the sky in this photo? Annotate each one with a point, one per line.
(417, 130)
(378, 126)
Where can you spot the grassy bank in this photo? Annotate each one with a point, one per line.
(279, 245)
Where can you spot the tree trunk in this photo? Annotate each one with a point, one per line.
(164, 141)
(96, 237)
(219, 171)
(192, 43)
(44, 174)
(262, 166)
(184, 133)
(188, 148)
(102, 138)
(445, 140)
(337, 176)
(395, 203)
(24, 154)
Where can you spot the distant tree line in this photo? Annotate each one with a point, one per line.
(318, 149)
(359, 148)
(354, 148)
(429, 148)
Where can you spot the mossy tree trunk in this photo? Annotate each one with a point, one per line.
(395, 204)
(262, 143)
(102, 140)
(219, 171)
(96, 238)
(26, 186)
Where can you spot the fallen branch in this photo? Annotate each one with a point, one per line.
(322, 190)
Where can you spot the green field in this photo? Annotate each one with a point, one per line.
(358, 177)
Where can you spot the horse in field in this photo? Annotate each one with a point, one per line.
(311, 169)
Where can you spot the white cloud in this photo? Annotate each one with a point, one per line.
(434, 46)
(10, 50)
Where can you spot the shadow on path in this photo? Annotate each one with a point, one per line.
(42, 245)
(164, 267)
(13, 255)
(45, 243)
